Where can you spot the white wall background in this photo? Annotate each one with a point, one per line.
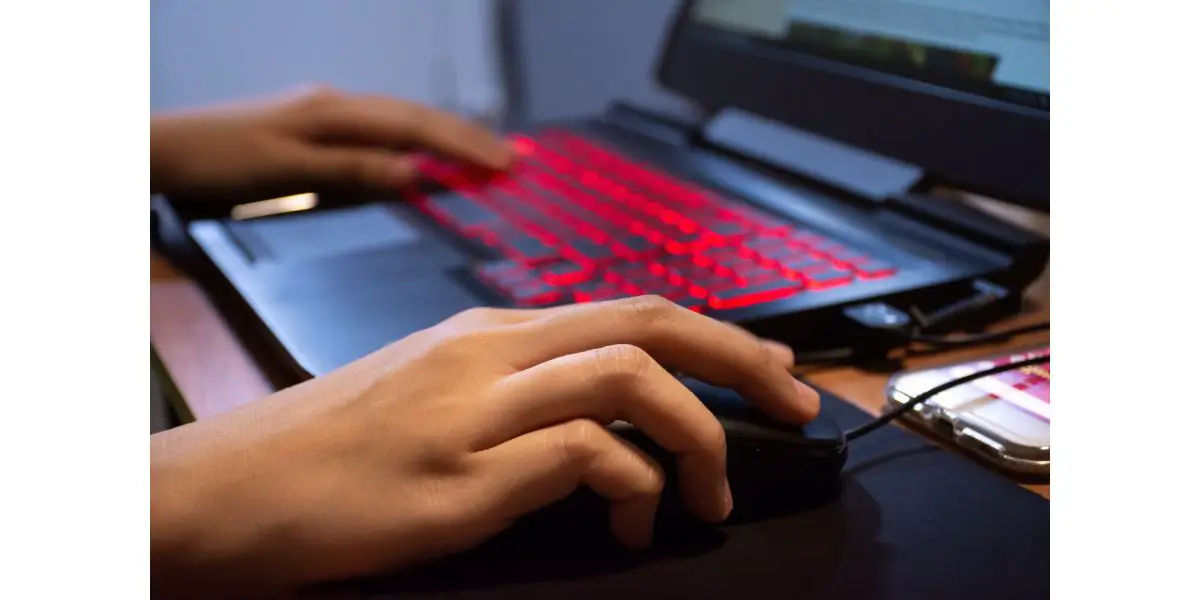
(572, 57)
(576, 56)
(440, 52)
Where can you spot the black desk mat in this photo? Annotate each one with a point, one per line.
(913, 521)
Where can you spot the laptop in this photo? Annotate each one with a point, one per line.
(806, 189)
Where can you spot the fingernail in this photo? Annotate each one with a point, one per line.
(809, 398)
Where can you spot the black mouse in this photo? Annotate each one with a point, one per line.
(774, 469)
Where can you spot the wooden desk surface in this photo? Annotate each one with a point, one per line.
(214, 373)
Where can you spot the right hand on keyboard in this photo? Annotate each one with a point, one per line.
(440, 441)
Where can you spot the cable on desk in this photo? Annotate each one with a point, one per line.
(875, 331)
(862, 430)
(980, 338)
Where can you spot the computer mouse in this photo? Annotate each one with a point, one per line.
(774, 469)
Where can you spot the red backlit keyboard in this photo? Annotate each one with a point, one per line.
(579, 223)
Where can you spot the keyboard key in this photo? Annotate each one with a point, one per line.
(578, 222)
(462, 212)
(764, 243)
(826, 247)
(565, 274)
(535, 295)
(741, 265)
(639, 245)
(759, 275)
(662, 287)
(727, 228)
(804, 239)
(780, 253)
(691, 302)
(504, 273)
(525, 248)
(828, 278)
(740, 297)
(874, 269)
(596, 291)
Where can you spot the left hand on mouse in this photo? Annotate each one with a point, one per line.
(440, 441)
(302, 142)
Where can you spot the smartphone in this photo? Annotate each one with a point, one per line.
(1003, 419)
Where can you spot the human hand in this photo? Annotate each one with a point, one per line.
(438, 442)
(302, 142)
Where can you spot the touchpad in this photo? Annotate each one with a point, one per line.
(323, 234)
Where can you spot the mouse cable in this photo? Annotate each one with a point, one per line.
(846, 355)
(862, 430)
(979, 338)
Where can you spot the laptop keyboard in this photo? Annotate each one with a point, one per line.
(577, 222)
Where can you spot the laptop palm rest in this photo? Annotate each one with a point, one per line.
(337, 284)
(326, 234)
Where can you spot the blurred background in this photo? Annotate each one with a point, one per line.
(499, 60)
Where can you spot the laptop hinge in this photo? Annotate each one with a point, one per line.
(966, 221)
(854, 171)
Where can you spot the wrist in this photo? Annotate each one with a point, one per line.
(205, 538)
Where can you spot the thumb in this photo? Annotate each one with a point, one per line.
(365, 167)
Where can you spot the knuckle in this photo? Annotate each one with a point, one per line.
(654, 482)
(650, 310)
(623, 364)
(318, 95)
(581, 439)
(318, 102)
(478, 315)
(764, 357)
(457, 345)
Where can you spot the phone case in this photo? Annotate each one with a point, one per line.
(1003, 418)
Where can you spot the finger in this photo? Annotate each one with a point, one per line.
(782, 352)
(493, 317)
(686, 341)
(544, 466)
(371, 168)
(488, 317)
(621, 383)
(390, 122)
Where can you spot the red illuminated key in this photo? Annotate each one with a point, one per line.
(596, 291)
(579, 222)
(565, 274)
(524, 247)
(741, 297)
(874, 269)
(828, 278)
(534, 295)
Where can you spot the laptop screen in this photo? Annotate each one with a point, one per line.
(994, 48)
